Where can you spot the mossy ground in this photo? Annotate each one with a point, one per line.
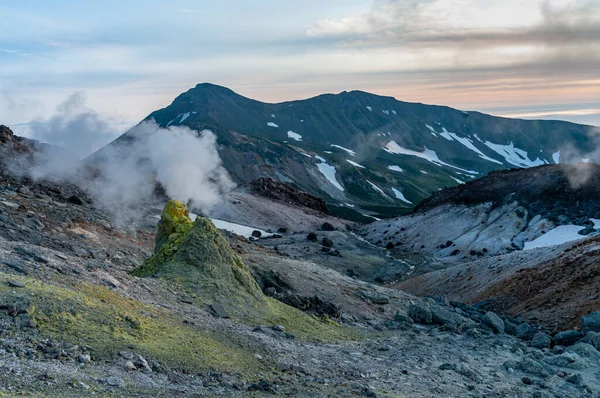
(107, 322)
(94, 316)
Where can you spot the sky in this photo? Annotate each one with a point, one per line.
(124, 59)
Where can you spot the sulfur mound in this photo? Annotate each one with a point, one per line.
(198, 256)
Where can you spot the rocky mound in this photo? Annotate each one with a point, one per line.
(286, 193)
(561, 193)
(195, 256)
(197, 253)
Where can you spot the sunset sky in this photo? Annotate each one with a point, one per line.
(516, 58)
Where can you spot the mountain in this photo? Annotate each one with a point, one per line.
(365, 152)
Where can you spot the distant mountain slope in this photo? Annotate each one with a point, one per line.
(365, 152)
(499, 213)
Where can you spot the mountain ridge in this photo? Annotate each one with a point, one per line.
(372, 154)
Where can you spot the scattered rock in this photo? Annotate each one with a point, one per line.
(74, 199)
(327, 242)
(311, 236)
(390, 246)
(402, 318)
(373, 297)
(16, 284)
(420, 314)
(84, 358)
(494, 322)
(327, 227)
(256, 234)
(575, 379)
(590, 323)
(219, 310)
(129, 366)
(541, 340)
(525, 331)
(584, 350)
(262, 386)
(568, 337)
(115, 382)
(593, 339)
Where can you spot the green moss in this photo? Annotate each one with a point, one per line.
(108, 322)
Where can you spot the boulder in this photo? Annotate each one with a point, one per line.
(541, 340)
(584, 350)
(568, 337)
(311, 236)
(592, 338)
(256, 234)
(494, 322)
(327, 227)
(420, 313)
(590, 323)
(450, 319)
(327, 242)
(525, 331)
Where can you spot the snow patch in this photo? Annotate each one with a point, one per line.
(271, 124)
(360, 166)
(394, 112)
(513, 155)
(273, 116)
(427, 154)
(369, 108)
(396, 168)
(386, 112)
(294, 136)
(185, 116)
(377, 188)
(556, 157)
(329, 172)
(400, 196)
(238, 229)
(557, 236)
(464, 141)
(350, 151)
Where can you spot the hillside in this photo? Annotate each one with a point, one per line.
(364, 152)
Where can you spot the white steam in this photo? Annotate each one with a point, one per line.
(186, 163)
(122, 176)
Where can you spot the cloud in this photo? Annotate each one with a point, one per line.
(466, 22)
